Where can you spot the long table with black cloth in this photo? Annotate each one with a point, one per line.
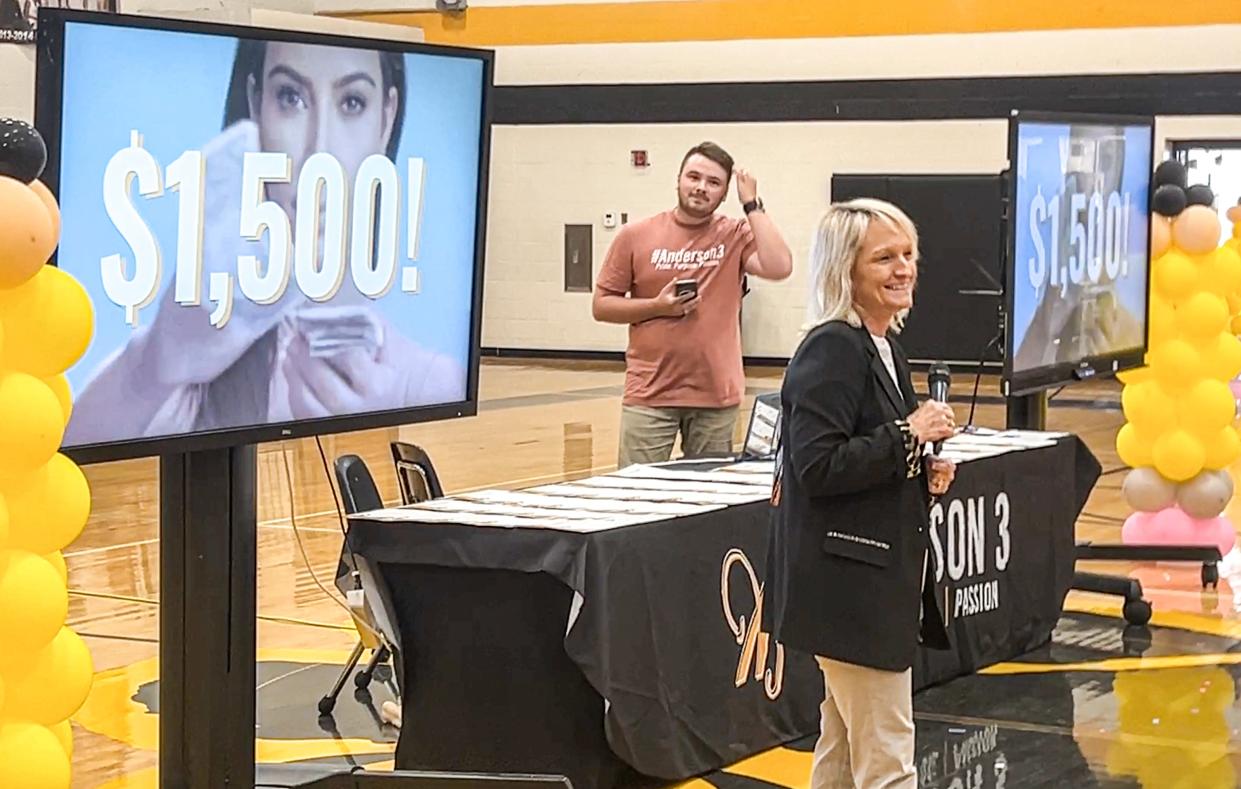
(608, 629)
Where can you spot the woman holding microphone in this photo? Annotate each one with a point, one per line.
(851, 578)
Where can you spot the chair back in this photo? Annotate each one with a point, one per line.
(415, 473)
(762, 437)
(358, 491)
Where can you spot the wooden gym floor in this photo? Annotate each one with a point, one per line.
(541, 422)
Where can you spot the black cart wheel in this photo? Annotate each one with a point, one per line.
(1210, 575)
(1137, 612)
(326, 705)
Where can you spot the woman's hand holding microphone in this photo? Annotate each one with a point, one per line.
(934, 421)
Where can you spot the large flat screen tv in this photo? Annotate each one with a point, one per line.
(282, 232)
(1078, 253)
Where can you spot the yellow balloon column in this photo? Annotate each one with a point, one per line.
(46, 322)
(1180, 436)
(1174, 729)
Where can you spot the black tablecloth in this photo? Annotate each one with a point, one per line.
(631, 652)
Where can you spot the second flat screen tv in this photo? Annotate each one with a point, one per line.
(1079, 247)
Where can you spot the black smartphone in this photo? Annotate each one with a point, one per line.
(685, 286)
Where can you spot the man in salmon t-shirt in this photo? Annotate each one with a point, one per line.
(683, 366)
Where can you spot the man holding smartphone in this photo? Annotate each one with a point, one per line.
(676, 278)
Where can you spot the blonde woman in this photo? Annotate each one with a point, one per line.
(850, 578)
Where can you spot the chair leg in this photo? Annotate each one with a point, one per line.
(328, 702)
(363, 679)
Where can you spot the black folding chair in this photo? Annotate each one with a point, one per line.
(415, 473)
(358, 493)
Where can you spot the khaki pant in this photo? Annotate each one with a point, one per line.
(866, 739)
(647, 434)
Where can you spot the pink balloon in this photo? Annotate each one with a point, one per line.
(1225, 534)
(1136, 528)
(1172, 526)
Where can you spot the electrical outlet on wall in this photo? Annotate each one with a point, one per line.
(609, 220)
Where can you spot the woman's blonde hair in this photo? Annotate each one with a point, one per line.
(834, 252)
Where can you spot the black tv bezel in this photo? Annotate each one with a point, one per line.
(1038, 379)
(48, 111)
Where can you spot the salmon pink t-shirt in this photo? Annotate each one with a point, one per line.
(692, 361)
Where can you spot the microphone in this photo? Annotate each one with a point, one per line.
(938, 379)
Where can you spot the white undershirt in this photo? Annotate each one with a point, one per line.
(885, 353)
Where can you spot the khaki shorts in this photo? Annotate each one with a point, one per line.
(647, 434)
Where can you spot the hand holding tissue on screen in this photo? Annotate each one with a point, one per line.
(277, 268)
(1079, 285)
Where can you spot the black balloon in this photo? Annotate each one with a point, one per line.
(1200, 195)
(22, 152)
(1169, 200)
(1171, 172)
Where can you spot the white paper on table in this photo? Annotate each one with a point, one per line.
(767, 467)
(638, 483)
(693, 461)
(708, 501)
(980, 431)
(976, 450)
(556, 502)
(594, 525)
(1017, 441)
(967, 457)
(1048, 434)
(417, 514)
(649, 472)
(484, 508)
(999, 440)
(392, 514)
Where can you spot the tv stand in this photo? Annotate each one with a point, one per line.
(208, 561)
(1027, 412)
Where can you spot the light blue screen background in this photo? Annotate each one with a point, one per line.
(171, 86)
(1041, 171)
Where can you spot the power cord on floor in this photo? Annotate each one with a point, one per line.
(301, 546)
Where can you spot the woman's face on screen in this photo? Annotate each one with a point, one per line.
(885, 271)
(321, 99)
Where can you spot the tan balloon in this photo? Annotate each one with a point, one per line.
(1206, 495)
(1196, 230)
(1146, 490)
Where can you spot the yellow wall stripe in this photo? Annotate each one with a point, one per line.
(720, 20)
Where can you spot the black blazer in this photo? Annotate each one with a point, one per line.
(850, 529)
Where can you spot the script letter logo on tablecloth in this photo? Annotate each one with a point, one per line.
(755, 644)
